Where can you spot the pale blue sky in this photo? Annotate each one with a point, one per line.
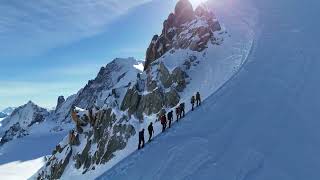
(51, 48)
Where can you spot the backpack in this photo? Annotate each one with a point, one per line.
(192, 99)
(182, 106)
(198, 96)
(163, 119)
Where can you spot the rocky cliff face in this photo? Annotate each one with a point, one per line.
(118, 73)
(103, 135)
(109, 82)
(121, 99)
(185, 28)
(102, 129)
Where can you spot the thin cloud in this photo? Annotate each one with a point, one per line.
(25, 88)
(35, 26)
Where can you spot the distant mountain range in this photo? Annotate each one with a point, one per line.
(6, 112)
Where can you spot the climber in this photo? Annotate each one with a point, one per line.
(90, 117)
(151, 131)
(192, 103)
(71, 137)
(182, 112)
(170, 117)
(163, 122)
(141, 139)
(198, 99)
(178, 113)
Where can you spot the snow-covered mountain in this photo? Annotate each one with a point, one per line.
(194, 52)
(8, 110)
(19, 122)
(31, 127)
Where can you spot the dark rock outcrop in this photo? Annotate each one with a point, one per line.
(15, 131)
(60, 101)
(56, 165)
(107, 135)
(150, 103)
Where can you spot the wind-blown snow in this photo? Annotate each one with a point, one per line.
(264, 123)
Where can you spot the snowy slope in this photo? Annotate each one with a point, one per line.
(264, 123)
(38, 136)
(206, 70)
(21, 158)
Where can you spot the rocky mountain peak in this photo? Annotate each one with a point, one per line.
(60, 101)
(183, 29)
(117, 73)
(21, 120)
(183, 12)
(30, 103)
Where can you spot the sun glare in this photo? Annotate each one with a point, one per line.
(195, 3)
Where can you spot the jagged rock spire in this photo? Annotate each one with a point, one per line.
(60, 101)
(183, 12)
(178, 24)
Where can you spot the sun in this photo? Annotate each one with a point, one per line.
(195, 3)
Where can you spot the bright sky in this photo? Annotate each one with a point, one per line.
(51, 48)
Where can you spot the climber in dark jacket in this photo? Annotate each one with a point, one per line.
(170, 117)
(198, 99)
(192, 102)
(178, 113)
(151, 131)
(182, 112)
(141, 139)
(163, 122)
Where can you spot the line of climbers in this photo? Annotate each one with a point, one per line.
(180, 113)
